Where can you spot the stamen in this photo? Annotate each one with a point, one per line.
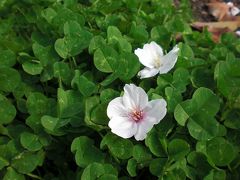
(136, 115)
(157, 63)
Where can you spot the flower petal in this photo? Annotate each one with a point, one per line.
(148, 54)
(116, 108)
(145, 57)
(122, 127)
(156, 110)
(143, 128)
(134, 98)
(147, 72)
(157, 48)
(169, 60)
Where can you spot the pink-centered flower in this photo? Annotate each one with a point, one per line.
(151, 56)
(133, 115)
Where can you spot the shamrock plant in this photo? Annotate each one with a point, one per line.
(87, 92)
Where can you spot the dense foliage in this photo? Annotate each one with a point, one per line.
(63, 61)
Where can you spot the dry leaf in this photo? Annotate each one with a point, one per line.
(220, 10)
(231, 25)
(223, 11)
(218, 28)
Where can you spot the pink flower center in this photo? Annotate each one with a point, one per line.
(136, 115)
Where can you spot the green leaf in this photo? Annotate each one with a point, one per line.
(96, 43)
(45, 54)
(3, 163)
(201, 146)
(176, 24)
(175, 174)
(141, 153)
(99, 115)
(93, 171)
(228, 79)
(202, 77)
(52, 124)
(47, 74)
(70, 103)
(84, 85)
(26, 162)
(90, 104)
(110, 169)
(48, 14)
(180, 79)
(215, 174)
(7, 112)
(7, 58)
(105, 59)
(85, 151)
(131, 167)
(101, 62)
(178, 149)
(139, 33)
(120, 148)
(34, 122)
(199, 114)
(182, 112)
(113, 34)
(132, 5)
(109, 79)
(199, 162)
(108, 94)
(203, 127)
(173, 97)
(108, 8)
(64, 15)
(164, 80)
(9, 79)
(124, 45)
(157, 166)
(76, 39)
(37, 103)
(154, 143)
(220, 151)
(186, 57)
(108, 177)
(61, 48)
(99, 171)
(161, 34)
(11, 174)
(128, 66)
(30, 141)
(10, 149)
(186, 51)
(62, 70)
(32, 68)
(70, 3)
(231, 119)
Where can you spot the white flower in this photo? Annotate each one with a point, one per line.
(152, 57)
(133, 115)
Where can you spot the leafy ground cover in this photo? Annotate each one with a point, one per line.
(63, 61)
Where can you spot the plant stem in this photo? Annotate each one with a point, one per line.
(34, 176)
